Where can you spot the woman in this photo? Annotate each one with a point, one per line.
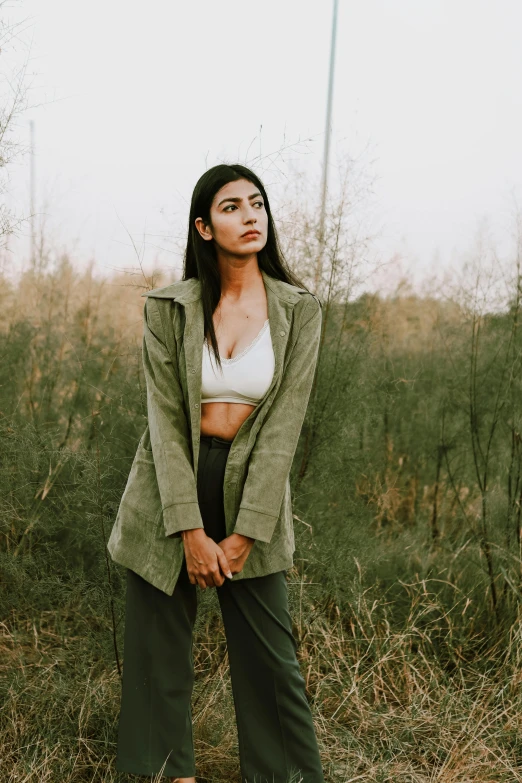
(229, 356)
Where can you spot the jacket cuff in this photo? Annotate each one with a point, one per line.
(255, 524)
(181, 516)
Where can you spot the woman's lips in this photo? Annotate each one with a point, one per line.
(251, 235)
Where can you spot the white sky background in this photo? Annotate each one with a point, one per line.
(133, 101)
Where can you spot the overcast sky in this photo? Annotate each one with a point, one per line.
(133, 101)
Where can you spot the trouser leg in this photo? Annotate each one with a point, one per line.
(277, 740)
(155, 724)
(274, 722)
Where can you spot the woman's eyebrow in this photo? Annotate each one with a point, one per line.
(236, 199)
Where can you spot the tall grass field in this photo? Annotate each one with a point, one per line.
(406, 591)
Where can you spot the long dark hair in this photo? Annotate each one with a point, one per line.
(200, 258)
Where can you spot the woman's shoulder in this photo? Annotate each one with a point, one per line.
(305, 295)
(180, 290)
(310, 303)
(310, 296)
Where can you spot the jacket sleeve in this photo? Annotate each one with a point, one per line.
(169, 430)
(272, 455)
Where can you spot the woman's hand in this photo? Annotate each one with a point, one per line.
(205, 559)
(236, 548)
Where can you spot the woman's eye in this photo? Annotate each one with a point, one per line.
(234, 206)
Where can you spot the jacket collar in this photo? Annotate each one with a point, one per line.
(186, 291)
(281, 298)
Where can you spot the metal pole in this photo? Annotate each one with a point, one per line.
(33, 242)
(326, 147)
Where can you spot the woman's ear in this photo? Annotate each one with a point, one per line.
(203, 229)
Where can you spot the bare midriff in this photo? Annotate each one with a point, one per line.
(223, 419)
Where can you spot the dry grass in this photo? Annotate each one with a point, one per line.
(387, 704)
(414, 682)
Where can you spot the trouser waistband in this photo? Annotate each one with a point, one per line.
(215, 441)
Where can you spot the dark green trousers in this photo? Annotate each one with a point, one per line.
(276, 738)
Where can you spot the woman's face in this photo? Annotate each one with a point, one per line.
(238, 207)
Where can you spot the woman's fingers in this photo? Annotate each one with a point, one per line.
(205, 564)
(223, 562)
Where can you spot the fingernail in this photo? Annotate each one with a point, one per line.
(229, 575)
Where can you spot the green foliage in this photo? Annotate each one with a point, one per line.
(407, 488)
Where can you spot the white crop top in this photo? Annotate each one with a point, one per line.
(245, 378)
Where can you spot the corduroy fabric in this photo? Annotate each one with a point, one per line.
(160, 497)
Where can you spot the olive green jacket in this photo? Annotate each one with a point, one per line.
(160, 498)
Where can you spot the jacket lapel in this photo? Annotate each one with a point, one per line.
(281, 298)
